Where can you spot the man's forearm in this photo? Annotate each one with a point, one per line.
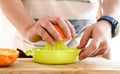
(111, 8)
(16, 14)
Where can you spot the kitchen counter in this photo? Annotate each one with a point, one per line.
(87, 66)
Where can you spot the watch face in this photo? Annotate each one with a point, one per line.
(117, 29)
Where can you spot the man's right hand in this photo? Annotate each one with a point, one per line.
(44, 29)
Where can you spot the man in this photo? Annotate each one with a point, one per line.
(64, 13)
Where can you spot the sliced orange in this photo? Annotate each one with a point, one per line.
(61, 33)
(8, 56)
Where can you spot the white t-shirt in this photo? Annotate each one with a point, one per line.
(69, 9)
(75, 9)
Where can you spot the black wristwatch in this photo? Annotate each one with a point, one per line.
(114, 24)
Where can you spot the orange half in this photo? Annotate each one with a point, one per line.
(8, 56)
(61, 33)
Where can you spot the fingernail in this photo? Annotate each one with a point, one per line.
(74, 35)
(60, 38)
(81, 58)
(53, 43)
(79, 46)
(69, 36)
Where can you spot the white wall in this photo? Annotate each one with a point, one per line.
(7, 32)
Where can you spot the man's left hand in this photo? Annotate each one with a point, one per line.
(100, 35)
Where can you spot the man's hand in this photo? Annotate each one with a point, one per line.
(44, 29)
(100, 33)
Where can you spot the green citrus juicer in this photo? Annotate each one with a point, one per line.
(57, 54)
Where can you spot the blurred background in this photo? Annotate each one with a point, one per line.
(7, 33)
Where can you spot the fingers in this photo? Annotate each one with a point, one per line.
(104, 49)
(97, 47)
(85, 37)
(72, 30)
(45, 35)
(101, 52)
(91, 49)
(61, 22)
(45, 28)
(50, 29)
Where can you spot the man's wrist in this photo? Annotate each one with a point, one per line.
(114, 24)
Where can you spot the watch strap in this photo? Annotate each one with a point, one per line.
(112, 22)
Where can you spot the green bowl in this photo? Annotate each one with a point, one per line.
(55, 56)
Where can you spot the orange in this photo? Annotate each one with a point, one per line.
(61, 33)
(8, 56)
